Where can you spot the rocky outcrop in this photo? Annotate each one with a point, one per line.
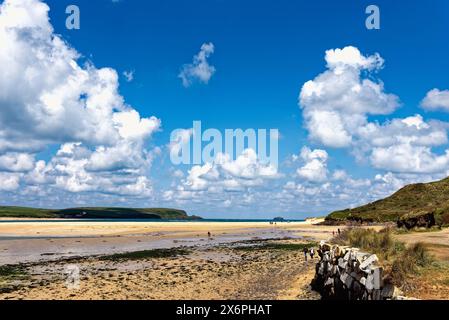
(417, 220)
(345, 273)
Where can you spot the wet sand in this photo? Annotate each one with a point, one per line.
(217, 272)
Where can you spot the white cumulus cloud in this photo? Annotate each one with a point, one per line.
(224, 175)
(48, 97)
(436, 99)
(337, 102)
(315, 165)
(336, 108)
(200, 69)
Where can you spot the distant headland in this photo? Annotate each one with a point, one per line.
(96, 213)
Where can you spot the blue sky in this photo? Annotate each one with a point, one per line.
(264, 52)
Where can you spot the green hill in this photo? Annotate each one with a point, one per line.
(96, 213)
(24, 212)
(414, 204)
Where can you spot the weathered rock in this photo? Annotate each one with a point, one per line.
(360, 257)
(377, 275)
(368, 261)
(369, 282)
(348, 273)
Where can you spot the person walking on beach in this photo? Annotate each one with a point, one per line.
(209, 235)
(312, 253)
(306, 251)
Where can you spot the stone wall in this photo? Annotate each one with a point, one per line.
(346, 273)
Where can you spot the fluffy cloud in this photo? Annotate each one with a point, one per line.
(224, 175)
(411, 159)
(200, 69)
(71, 170)
(350, 57)
(315, 165)
(16, 162)
(48, 98)
(336, 106)
(9, 181)
(336, 103)
(411, 130)
(228, 174)
(405, 145)
(436, 100)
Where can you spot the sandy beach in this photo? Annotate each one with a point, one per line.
(238, 261)
(30, 241)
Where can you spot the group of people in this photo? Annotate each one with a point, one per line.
(308, 251)
(339, 232)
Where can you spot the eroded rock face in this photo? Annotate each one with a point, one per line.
(417, 220)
